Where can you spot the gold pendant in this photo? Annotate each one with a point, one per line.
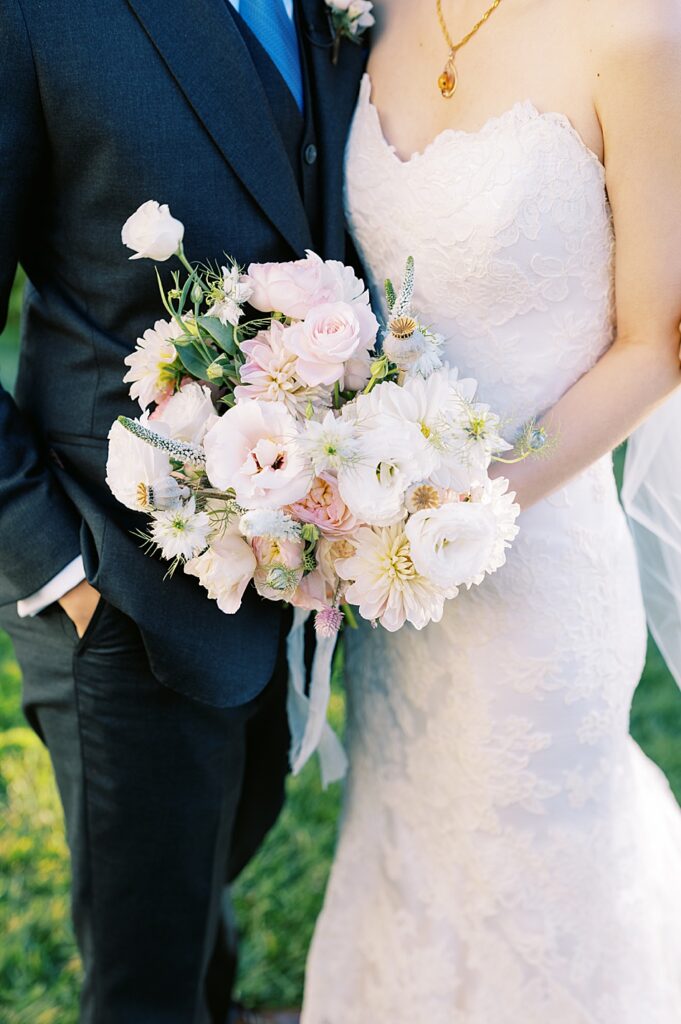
(449, 79)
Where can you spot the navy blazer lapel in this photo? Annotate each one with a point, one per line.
(335, 89)
(205, 53)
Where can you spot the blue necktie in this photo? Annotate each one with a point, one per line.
(269, 21)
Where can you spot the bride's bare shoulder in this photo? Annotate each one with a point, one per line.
(634, 49)
(626, 27)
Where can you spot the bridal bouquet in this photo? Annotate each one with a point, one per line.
(290, 452)
(298, 451)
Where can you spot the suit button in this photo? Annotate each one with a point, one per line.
(310, 155)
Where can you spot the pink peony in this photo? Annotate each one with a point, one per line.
(293, 288)
(323, 507)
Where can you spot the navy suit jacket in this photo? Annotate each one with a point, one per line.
(104, 105)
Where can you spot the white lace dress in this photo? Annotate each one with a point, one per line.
(507, 853)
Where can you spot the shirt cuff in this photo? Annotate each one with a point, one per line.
(66, 580)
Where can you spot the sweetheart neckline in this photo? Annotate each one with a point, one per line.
(525, 106)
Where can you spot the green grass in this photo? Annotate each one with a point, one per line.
(277, 898)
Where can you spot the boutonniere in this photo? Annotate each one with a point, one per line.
(349, 20)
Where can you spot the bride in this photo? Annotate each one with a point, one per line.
(507, 853)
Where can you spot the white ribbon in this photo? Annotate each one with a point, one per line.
(307, 711)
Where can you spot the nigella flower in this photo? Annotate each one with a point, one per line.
(477, 433)
(329, 444)
(180, 532)
(229, 298)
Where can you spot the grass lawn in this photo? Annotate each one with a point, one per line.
(277, 898)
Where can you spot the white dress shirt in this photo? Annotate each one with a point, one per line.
(74, 573)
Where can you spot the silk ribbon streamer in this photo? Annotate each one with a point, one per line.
(307, 710)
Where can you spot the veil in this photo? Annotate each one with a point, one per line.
(651, 496)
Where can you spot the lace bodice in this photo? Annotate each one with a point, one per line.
(512, 236)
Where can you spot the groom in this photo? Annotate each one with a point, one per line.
(165, 719)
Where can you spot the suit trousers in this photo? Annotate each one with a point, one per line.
(165, 800)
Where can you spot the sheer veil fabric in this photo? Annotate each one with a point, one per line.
(651, 495)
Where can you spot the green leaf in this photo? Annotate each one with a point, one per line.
(193, 361)
(185, 292)
(223, 334)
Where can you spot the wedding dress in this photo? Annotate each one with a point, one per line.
(507, 854)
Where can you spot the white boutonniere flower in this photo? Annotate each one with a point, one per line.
(349, 20)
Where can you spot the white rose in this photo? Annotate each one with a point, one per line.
(189, 414)
(152, 233)
(453, 545)
(327, 338)
(225, 570)
(138, 475)
(253, 449)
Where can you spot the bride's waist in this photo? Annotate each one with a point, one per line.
(589, 499)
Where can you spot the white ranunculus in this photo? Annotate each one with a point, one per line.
(138, 475)
(189, 414)
(373, 487)
(252, 448)
(453, 545)
(502, 502)
(225, 569)
(180, 532)
(385, 583)
(152, 233)
(441, 406)
(150, 364)
(393, 453)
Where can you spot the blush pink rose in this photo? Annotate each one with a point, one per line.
(329, 336)
(323, 507)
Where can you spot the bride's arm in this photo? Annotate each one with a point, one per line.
(638, 100)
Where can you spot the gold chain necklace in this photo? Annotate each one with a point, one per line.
(449, 79)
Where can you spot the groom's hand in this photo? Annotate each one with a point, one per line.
(80, 604)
